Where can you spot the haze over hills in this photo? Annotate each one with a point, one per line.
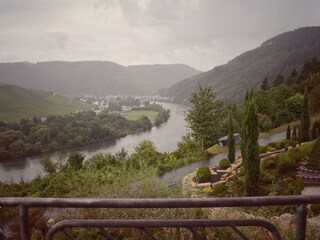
(97, 78)
(280, 54)
(17, 102)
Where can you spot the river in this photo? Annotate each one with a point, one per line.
(166, 136)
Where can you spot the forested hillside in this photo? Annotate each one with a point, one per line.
(278, 55)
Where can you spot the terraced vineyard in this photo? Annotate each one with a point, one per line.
(17, 102)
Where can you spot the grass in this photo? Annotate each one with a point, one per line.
(215, 149)
(283, 127)
(17, 102)
(135, 115)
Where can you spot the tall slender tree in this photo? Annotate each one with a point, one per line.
(294, 133)
(305, 119)
(288, 132)
(231, 140)
(252, 149)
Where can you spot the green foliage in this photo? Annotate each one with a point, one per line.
(203, 174)
(75, 160)
(31, 137)
(218, 189)
(305, 119)
(231, 141)
(294, 133)
(136, 115)
(145, 154)
(224, 163)
(288, 135)
(268, 164)
(205, 116)
(295, 104)
(252, 160)
(315, 131)
(314, 162)
(262, 149)
(188, 151)
(315, 208)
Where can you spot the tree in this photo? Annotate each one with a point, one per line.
(294, 133)
(231, 141)
(288, 132)
(315, 99)
(265, 85)
(75, 160)
(314, 162)
(305, 119)
(279, 80)
(294, 104)
(205, 116)
(252, 160)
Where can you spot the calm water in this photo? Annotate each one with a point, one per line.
(165, 138)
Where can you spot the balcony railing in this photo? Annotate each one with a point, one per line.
(143, 225)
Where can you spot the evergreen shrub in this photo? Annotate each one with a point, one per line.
(203, 174)
(224, 163)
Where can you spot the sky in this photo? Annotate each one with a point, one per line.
(199, 33)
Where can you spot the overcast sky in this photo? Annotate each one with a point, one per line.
(200, 33)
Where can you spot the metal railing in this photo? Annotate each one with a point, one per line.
(25, 203)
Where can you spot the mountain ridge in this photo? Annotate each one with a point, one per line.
(98, 78)
(279, 54)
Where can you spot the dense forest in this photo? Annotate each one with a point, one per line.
(33, 136)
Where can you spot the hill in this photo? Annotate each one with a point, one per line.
(159, 76)
(17, 102)
(97, 78)
(280, 54)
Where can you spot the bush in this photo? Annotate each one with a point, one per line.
(262, 149)
(315, 156)
(218, 189)
(286, 165)
(269, 163)
(291, 142)
(242, 171)
(275, 145)
(203, 174)
(295, 154)
(224, 163)
(315, 208)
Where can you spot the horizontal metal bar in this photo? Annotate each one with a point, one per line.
(158, 203)
(162, 224)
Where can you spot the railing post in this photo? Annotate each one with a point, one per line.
(24, 223)
(301, 222)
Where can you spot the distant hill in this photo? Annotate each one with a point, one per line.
(97, 78)
(159, 76)
(17, 102)
(280, 54)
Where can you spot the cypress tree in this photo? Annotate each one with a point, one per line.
(294, 133)
(243, 142)
(288, 132)
(305, 119)
(252, 149)
(231, 141)
(315, 130)
(314, 162)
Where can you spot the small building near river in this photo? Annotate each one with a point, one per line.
(224, 140)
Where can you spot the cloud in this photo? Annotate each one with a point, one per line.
(201, 33)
